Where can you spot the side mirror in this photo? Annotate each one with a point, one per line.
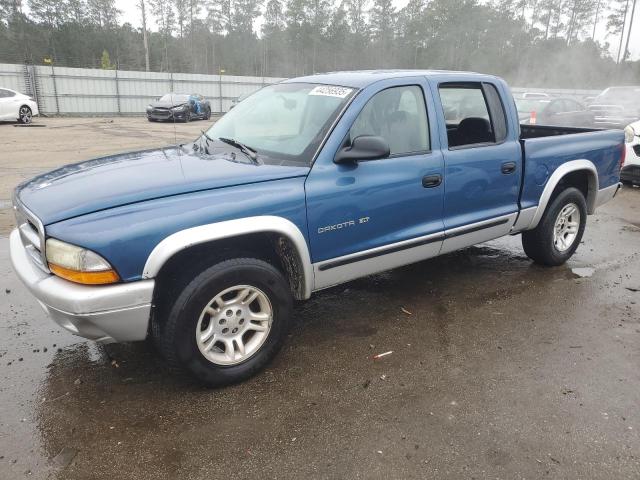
(364, 147)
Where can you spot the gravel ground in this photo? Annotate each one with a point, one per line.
(500, 369)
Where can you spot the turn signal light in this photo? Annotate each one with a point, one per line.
(87, 278)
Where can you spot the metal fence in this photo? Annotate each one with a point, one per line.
(87, 91)
(84, 91)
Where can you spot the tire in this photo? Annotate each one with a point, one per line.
(187, 117)
(25, 115)
(217, 360)
(208, 114)
(541, 245)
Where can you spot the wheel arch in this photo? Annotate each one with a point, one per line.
(581, 174)
(284, 239)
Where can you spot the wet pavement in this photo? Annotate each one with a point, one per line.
(500, 369)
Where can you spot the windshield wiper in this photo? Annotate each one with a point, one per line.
(248, 151)
(206, 136)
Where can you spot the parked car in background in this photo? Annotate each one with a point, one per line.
(535, 95)
(15, 106)
(617, 107)
(630, 173)
(565, 112)
(180, 107)
(309, 183)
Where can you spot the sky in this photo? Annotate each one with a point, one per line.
(131, 14)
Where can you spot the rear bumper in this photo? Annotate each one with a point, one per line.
(110, 313)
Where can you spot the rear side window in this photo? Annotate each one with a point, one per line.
(473, 113)
(399, 116)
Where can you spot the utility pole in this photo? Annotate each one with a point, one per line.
(144, 36)
(626, 46)
(624, 24)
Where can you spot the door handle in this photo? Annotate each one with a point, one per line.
(430, 181)
(508, 167)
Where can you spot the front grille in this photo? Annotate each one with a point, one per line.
(161, 112)
(31, 233)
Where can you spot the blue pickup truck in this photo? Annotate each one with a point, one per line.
(306, 184)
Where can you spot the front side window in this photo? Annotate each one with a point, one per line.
(473, 113)
(399, 116)
(285, 122)
(6, 93)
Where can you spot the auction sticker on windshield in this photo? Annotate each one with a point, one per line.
(331, 91)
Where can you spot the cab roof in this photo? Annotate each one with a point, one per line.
(363, 78)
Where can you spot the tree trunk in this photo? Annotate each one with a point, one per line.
(626, 46)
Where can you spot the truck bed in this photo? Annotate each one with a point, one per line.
(545, 149)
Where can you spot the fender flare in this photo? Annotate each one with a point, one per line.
(554, 180)
(189, 237)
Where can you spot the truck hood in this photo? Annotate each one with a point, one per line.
(126, 178)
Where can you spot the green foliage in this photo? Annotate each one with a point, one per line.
(105, 61)
(529, 42)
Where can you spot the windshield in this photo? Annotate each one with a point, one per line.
(284, 122)
(174, 98)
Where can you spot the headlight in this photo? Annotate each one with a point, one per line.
(78, 264)
(179, 109)
(149, 107)
(629, 134)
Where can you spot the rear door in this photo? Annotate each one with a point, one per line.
(374, 215)
(482, 163)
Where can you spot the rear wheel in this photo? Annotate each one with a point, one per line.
(560, 230)
(228, 322)
(208, 114)
(25, 115)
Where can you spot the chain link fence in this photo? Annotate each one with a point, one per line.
(90, 91)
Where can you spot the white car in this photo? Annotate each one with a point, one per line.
(16, 106)
(536, 95)
(630, 173)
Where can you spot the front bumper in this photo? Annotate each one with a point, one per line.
(631, 174)
(109, 313)
(170, 116)
(631, 169)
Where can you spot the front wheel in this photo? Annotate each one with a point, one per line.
(560, 230)
(228, 322)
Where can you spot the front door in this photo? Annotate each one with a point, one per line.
(374, 215)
